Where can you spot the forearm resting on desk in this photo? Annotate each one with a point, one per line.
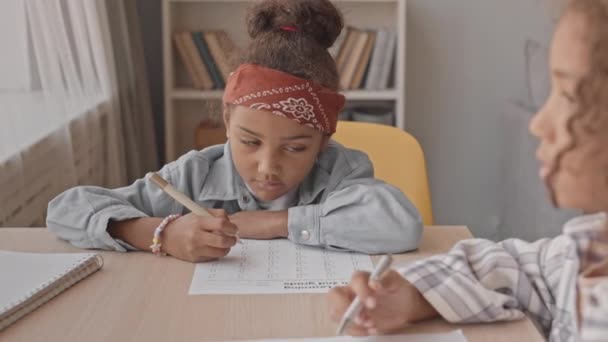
(190, 237)
(421, 309)
(136, 232)
(261, 224)
(395, 305)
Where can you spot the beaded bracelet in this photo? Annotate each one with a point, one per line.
(156, 239)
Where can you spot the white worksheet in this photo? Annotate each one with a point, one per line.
(276, 266)
(454, 336)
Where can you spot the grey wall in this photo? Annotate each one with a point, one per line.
(465, 62)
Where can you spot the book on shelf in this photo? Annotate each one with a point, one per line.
(388, 61)
(363, 64)
(189, 56)
(375, 63)
(350, 66)
(227, 45)
(344, 50)
(217, 53)
(382, 61)
(366, 58)
(380, 113)
(334, 50)
(205, 55)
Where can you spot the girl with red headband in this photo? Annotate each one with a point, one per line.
(279, 175)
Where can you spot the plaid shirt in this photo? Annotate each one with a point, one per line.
(485, 281)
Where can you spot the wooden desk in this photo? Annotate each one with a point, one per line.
(140, 297)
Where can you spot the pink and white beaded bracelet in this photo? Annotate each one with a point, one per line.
(156, 239)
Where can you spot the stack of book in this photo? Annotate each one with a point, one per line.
(374, 114)
(365, 58)
(380, 112)
(206, 57)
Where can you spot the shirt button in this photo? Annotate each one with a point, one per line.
(245, 199)
(304, 235)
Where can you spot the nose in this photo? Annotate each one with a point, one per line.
(541, 127)
(268, 163)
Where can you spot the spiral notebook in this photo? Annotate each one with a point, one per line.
(28, 280)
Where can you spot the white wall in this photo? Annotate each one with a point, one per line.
(14, 59)
(465, 63)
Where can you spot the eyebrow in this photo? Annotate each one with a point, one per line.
(294, 137)
(564, 75)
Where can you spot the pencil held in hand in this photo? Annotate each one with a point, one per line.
(355, 307)
(181, 198)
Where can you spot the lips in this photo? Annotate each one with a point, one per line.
(544, 168)
(543, 172)
(269, 185)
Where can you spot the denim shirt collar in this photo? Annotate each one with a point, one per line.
(223, 182)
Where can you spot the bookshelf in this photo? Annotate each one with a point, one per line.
(186, 106)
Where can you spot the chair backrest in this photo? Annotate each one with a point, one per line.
(397, 158)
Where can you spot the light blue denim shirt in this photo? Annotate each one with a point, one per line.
(340, 205)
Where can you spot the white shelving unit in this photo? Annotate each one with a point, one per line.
(185, 106)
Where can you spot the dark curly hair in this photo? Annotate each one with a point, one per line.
(301, 52)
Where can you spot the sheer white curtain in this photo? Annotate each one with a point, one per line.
(85, 117)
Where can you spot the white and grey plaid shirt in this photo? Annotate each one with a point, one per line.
(485, 281)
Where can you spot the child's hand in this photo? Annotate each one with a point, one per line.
(388, 303)
(261, 225)
(194, 238)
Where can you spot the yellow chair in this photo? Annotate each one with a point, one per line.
(397, 158)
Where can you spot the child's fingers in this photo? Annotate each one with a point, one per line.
(393, 281)
(357, 327)
(390, 282)
(217, 212)
(369, 324)
(360, 285)
(214, 240)
(364, 318)
(227, 226)
(356, 330)
(220, 225)
(339, 298)
(212, 252)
